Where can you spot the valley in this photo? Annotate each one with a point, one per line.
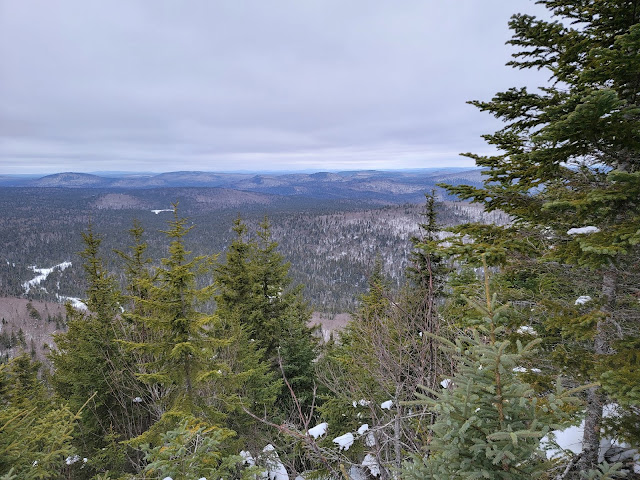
(331, 237)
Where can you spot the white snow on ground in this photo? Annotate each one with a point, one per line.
(570, 439)
(363, 428)
(526, 329)
(583, 230)
(75, 302)
(318, 430)
(362, 402)
(344, 441)
(72, 460)
(162, 210)
(275, 468)
(371, 464)
(520, 369)
(386, 405)
(581, 300)
(567, 439)
(43, 273)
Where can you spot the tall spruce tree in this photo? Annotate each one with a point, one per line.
(254, 286)
(426, 275)
(194, 363)
(568, 171)
(179, 344)
(89, 360)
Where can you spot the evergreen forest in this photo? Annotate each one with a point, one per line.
(506, 350)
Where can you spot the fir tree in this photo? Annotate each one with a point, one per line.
(254, 288)
(179, 343)
(569, 159)
(488, 421)
(88, 359)
(35, 434)
(192, 450)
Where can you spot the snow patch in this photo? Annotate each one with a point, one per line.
(526, 330)
(386, 405)
(75, 302)
(446, 383)
(581, 300)
(357, 473)
(43, 273)
(583, 230)
(275, 468)
(570, 439)
(318, 430)
(247, 458)
(371, 464)
(363, 428)
(72, 459)
(370, 440)
(344, 441)
(162, 210)
(567, 439)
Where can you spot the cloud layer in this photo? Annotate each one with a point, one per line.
(206, 85)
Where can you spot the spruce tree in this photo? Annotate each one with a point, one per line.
(254, 288)
(36, 434)
(179, 343)
(488, 421)
(568, 170)
(88, 359)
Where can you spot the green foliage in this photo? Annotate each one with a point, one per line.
(606, 472)
(175, 340)
(489, 422)
(35, 434)
(20, 386)
(34, 445)
(254, 289)
(569, 157)
(88, 358)
(191, 450)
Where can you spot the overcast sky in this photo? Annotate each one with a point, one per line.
(151, 85)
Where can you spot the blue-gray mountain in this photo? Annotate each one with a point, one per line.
(383, 187)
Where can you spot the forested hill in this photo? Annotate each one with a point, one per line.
(379, 186)
(331, 243)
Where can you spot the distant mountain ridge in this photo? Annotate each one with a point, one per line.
(383, 186)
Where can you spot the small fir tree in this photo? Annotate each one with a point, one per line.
(488, 421)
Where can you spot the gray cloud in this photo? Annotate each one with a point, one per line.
(163, 85)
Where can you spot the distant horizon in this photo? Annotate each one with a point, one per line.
(237, 172)
(114, 85)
